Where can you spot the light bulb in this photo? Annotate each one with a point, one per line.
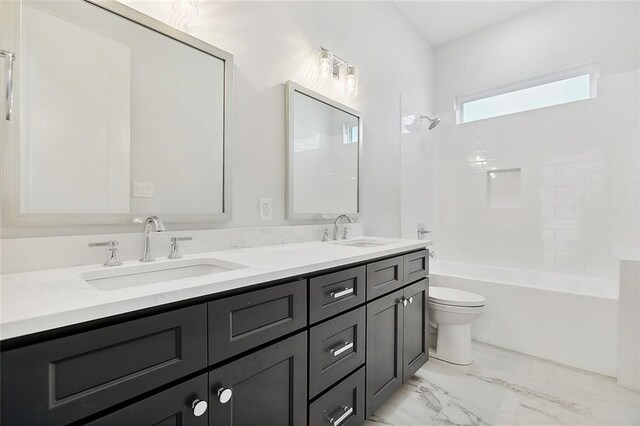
(325, 61)
(185, 9)
(351, 83)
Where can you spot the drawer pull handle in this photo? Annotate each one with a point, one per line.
(339, 294)
(344, 348)
(224, 395)
(199, 407)
(348, 411)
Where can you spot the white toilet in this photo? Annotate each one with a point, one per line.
(452, 311)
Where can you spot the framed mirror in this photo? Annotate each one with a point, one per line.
(116, 116)
(324, 146)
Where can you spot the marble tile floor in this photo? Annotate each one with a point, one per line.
(503, 387)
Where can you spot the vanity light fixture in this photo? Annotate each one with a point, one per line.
(331, 64)
(185, 9)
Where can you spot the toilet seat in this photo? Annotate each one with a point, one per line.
(454, 297)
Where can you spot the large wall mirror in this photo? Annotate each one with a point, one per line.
(116, 116)
(324, 143)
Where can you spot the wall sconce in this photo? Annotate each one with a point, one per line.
(185, 9)
(330, 64)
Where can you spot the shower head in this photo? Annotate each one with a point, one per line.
(433, 122)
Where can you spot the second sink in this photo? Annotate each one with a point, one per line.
(361, 243)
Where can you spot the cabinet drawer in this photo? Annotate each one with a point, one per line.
(172, 407)
(267, 387)
(416, 266)
(341, 406)
(333, 293)
(384, 276)
(336, 348)
(245, 321)
(67, 379)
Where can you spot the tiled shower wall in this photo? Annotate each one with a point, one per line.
(579, 163)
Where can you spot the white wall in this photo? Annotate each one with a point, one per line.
(580, 173)
(273, 42)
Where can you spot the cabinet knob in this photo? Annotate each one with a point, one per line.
(403, 301)
(199, 407)
(224, 395)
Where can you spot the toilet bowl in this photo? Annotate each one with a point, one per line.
(451, 312)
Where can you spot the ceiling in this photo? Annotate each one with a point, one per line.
(444, 21)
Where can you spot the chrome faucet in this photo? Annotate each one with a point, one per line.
(152, 224)
(335, 225)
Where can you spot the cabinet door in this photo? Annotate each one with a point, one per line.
(64, 380)
(415, 344)
(242, 322)
(384, 349)
(182, 405)
(268, 387)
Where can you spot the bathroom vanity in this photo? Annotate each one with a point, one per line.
(324, 343)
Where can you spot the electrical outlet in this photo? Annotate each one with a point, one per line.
(266, 210)
(143, 190)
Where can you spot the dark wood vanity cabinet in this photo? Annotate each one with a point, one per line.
(325, 349)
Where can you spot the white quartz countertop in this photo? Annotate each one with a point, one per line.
(31, 302)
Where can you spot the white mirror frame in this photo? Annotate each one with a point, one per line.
(291, 89)
(10, 132)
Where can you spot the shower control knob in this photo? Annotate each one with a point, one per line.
(199, 407)
(224, 395)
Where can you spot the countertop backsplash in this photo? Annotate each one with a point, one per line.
(36, 254)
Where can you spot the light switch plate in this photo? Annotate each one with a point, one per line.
(143, 190)
(266, 210)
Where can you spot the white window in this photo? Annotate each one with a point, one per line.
(350, 133)
(559, 88)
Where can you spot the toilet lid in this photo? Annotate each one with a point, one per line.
(454, 297)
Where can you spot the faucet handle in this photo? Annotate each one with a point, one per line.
(174, 252)
(345, 232)
(325, 234)
(422, 231)
(113, 255)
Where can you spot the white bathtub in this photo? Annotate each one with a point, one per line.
(569, 319)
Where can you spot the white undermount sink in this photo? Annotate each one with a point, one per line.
(361, 243)
(119, 277)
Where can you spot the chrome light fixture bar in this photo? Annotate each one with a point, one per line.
(330, 64)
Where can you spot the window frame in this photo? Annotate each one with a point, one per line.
(591, 69)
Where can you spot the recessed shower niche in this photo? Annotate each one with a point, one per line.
(504, 188)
